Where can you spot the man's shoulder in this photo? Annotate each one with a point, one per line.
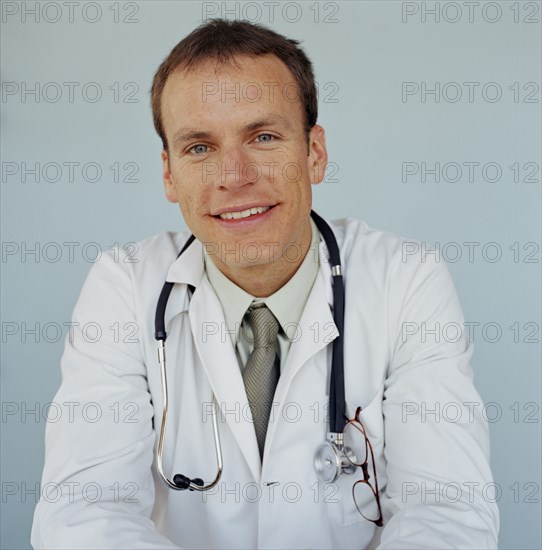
(141, 259)
(165, 244)
(384, 255)
(356, 236)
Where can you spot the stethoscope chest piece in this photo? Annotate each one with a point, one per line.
(333, 459)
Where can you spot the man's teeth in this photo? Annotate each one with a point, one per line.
(244, 213)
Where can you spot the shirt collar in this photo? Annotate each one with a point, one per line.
(188, 268)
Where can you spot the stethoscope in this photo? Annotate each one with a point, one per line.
(332, 458)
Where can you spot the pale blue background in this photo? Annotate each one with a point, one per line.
(368, 52)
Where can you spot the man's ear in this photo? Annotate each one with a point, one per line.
(169, 186)
(317, 154)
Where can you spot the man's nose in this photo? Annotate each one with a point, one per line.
(235, 169)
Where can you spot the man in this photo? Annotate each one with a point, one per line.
(251, 323)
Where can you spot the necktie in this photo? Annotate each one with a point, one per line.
(262, 370)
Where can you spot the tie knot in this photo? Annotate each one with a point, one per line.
(265, 326)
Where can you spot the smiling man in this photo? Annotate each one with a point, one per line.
(247, 146)
(298, 376)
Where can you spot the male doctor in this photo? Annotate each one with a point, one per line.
(250, 324)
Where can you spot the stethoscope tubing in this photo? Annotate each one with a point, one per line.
(337, 405)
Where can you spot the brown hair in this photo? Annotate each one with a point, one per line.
(222, 40)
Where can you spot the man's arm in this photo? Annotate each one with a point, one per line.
(97, 485)
(440, 488)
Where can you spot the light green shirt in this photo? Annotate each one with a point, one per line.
(286, 304)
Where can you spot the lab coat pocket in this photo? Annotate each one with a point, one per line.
(350, 500)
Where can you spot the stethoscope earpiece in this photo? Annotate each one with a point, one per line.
(183, 482)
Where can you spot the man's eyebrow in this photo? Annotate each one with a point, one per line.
(188, 134)
(271, 120)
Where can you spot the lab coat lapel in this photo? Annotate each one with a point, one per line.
(220, 363)
(316, 326)
(187, 269)
(214, 347)
(316, 330)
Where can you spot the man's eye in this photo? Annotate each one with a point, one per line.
(198, 149)
(265, 138)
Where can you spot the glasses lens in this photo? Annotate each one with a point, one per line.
(365, 500)
(354, 441)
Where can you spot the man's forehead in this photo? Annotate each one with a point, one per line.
(247, 91)
(268, 70)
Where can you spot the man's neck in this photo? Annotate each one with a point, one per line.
(263, 280)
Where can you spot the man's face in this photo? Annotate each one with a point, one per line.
(236, 142)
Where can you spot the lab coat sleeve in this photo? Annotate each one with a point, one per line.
(97, 488)
(440, 491)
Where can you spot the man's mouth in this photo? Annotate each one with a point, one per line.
(244, 213)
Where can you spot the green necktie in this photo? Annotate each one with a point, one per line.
(262, 370)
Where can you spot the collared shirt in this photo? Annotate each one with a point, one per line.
(286, 304)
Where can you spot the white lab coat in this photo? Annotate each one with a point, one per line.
(100, 488)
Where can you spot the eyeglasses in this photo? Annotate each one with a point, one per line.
(360, 453)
